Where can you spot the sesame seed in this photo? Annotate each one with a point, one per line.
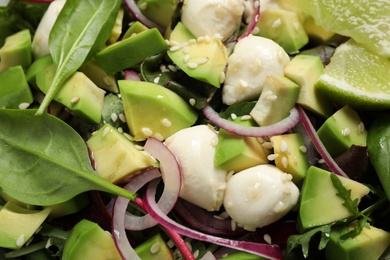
(200, 38)
(175, 48)
(20, 240)
(129, 137)
(146, 131)
(284, 161)
(186, 58)
(120, 130)
(186, 50)
(346, 131)
(196, 253)
(24, 105)
(243, 83)
(222, 77)
(106, 130)
(114, 117)
(267, 238)
(321, 161)
(48, 243)
(260, 140)
(155, 247)
(156, 80)
(139, 147)
(256, 30)
(174, 43)
(267, 145)
(203, 60)
(303, 149)
(296, 26)
(167, 42)
(192, 65)
(166, 122)
(158, 136)
(283, 146)
(276, 24)
(272, 97)
(246, 117)
(207, 38)
(192, 101)
(286, 190)
(122, 117)
(272, 157)
(233, 116)
(172, 68)
(214, 141)
(361, 128)
(163, 68)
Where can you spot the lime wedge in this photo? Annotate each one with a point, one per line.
(357, 77)
(366, 21)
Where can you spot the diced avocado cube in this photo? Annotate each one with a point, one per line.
(37, 66)
(237, 153)
(320, 203)
(241, 255)
(117, 29)
(18, 224)
(159, 11)
(115, 156)
(155, 248)
(291, 158)
(87, 240)
(204, 58)
(96, 73)
(154, 111)
(78, 93)
(131, 51)
(305, 71)
(68, 207)
(315, 32)
(276, 100)
(283, 27)
(16, 50)
(369, 244)
(343, 129)
(14, 89)
(134, 29)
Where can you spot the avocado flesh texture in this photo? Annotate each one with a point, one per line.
(103, 80)
(305, 71)
(37, 66)
(16, 51)
(134, 29)
(369, 244)
(159, 11)
(91, 97)
(283, 27)
(154, 111)
(18, 224)
(68, 207)
(131, 51)
(277, 98)
(87, 240)
(332, 132)
(236, 153)
(209, 55)
(319, 204)
(288, 146)
(155, 248)
(116, 157)
(14, 88)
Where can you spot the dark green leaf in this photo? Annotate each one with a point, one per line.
(342, 192)
(351, 233)
(378, 143)
(44, 161)
(80, 30)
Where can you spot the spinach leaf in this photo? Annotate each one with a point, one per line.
(378, 148)
(80, 30)
(44, 161)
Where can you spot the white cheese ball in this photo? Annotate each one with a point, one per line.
(203, 184)
(217, 18)
(259, 196)
(40, 42)
(253, 59)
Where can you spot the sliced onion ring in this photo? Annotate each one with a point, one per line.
(254, 19)
(133, 8)
(118, 214)
(172, 178)
(333, 166)
(265, 250)
(254, 131)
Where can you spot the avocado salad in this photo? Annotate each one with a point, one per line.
(189, 129)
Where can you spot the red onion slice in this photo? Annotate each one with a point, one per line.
(255, 131)
(333, 166)
(118, 214)
(254, 19)
(171, 175)
(265, 250)
(131, 75)
(133, 8)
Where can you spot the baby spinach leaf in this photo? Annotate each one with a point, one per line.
(44, 161)
(80, 30)
(378, 148)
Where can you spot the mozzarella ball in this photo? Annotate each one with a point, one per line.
(217, 18)
(203, 184)
(253, 59)
(259, 196)
(40, 42)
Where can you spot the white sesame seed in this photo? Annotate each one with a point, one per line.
(272, 97)
(156, 80)
(196, 253)
(167, 42)
(192, 65)
(283, 146)
(303, 149)
(296, 26)
(120, 130)
(20, 240)
(214, 141)
(122, 117)
(246, 117)
(200, 38)
(186, 50)
(346, 131)
(172, 68)
(114, 117)
(321, 161)
(24, 105)
(276, 24)
(267, 145)
(186, 58)
(207, 38)
(48, 243)
(192, 101)
(203, 60)
(361, 128)
(256, 30)
(75, 100)
(272, 157)
(106, 130)
(146, 131)
(155, 248)
(158, 136)
(284, 161)
(166, 122)
(267, 238)
(175, 48)
(174, 43)
(139, 147)
(191, 41)
(129, 137)
(233, 116)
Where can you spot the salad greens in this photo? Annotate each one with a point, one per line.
(71, 44)
(50, 168)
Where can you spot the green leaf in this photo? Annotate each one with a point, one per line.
(378, 148)
(342, 192)
(303, 240)
(351, 233)
(80, 30)
(44, 161)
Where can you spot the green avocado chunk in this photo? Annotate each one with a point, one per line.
(369, 244)
(16, 50)
(37, 66)
(319, 204)
(68, 207)
(87, 240)
(154, 111)
(95, 73)
(131, 51)
(342, 130)
(14, 89)
(159, 11)
(18, 224)
(155, 248)
(283, 27)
